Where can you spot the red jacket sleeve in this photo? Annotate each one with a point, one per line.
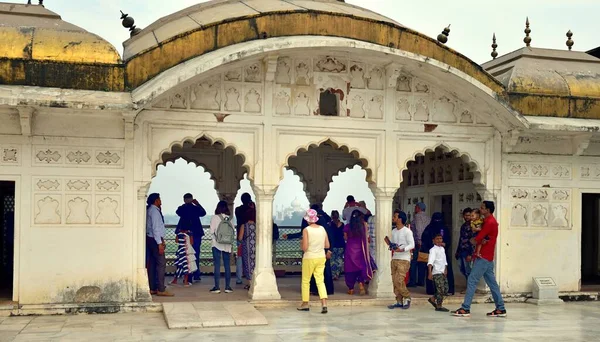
(485, 231)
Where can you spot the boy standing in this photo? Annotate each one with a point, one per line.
(402, 237)
(438, 273)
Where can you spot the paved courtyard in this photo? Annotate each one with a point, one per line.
(569, 322)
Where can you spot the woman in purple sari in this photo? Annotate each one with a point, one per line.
(357, 265)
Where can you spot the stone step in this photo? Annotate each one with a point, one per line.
(186, 315)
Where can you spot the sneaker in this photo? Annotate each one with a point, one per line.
(215, 290)
(497, 313)
(442, 309)
(238, 282)
(395, 306)
(406, 304)
(461, 313)
(228, 290)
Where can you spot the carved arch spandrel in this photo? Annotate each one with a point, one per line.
(162, 139)
(291, 145)
(472, 154)
(328, 153)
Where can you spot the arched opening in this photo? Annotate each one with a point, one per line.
(444, 180)
(322, 174)
(211, 171)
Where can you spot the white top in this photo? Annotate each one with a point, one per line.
(316, 242)
(437, 258)
(404, 239)
(214, 224)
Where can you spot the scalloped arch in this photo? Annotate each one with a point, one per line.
(355, 152)
(193, 140)
(465, 156)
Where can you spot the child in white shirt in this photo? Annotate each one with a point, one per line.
(438, 272)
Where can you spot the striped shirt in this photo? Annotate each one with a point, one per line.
(420, 222)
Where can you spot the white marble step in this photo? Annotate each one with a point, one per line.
(186, 315)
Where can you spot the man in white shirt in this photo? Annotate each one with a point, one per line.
(402, 237)
(438, 273)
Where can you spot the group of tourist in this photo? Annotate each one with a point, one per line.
(420, 252)
(189, 233)
(430, 246)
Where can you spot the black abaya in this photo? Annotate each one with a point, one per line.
(437, 226)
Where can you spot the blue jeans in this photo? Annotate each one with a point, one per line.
(465, 267)
(485, 269)
(217, 269)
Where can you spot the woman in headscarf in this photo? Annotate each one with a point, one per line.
(437, 226)
(357, 265)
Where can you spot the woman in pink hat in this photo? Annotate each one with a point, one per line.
(313, 244)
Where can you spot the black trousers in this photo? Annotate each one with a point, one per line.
(157, 265)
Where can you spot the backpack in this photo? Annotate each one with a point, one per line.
(225, 233)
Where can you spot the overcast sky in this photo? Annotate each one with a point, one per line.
(473, 21)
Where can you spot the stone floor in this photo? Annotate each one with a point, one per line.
(289, 289)
(184, 315)
(569, 322)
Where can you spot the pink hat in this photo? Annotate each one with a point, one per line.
(311, 216)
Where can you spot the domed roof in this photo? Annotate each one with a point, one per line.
(32, 32)
(547, 82)
(216, 11)
(38, 48)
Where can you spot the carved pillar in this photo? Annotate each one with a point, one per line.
(382, 286)
(264, 284)
(142, 286)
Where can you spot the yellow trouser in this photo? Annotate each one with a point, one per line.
(312, 267)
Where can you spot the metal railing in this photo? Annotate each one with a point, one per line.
(287, 255)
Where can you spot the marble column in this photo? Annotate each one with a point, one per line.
(381, 286)
(142, 286)
(264, 283)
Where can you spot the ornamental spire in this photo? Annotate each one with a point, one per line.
(494, 46)
(443, 37)
(570, 41)
(527, 39)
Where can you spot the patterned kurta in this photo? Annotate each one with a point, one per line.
(184, 257)
(465, 247)
(249, 249)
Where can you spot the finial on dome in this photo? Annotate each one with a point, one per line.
(494, 46)
(128, 22)
(527, 39)
(570, 41)
(443, 37)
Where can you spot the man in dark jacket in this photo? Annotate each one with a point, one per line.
(189, 218)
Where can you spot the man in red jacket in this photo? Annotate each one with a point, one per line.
(484, 266)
